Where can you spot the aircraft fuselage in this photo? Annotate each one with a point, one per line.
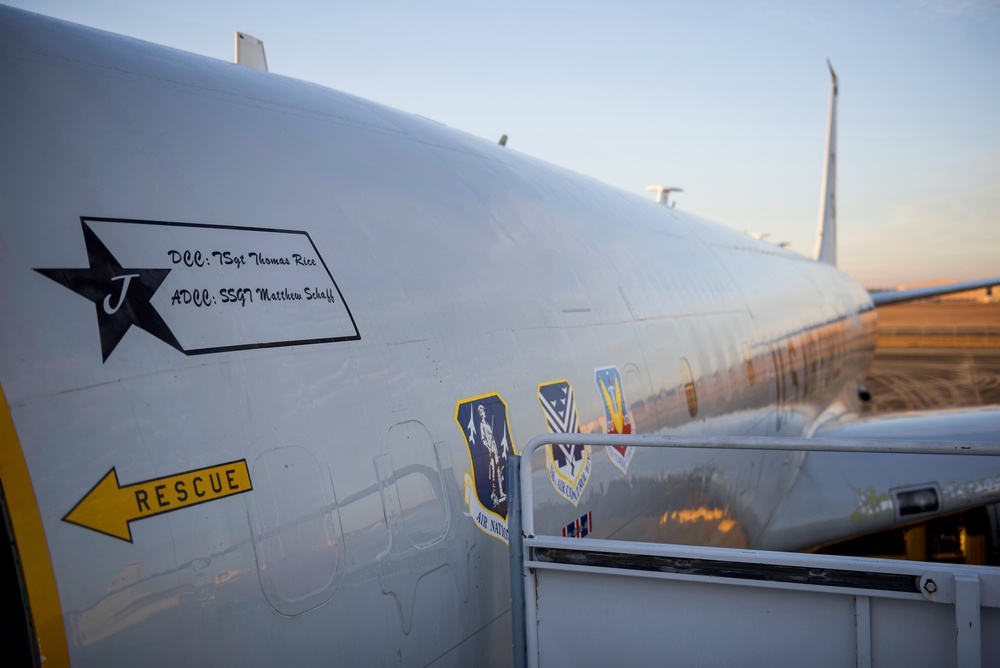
(274, 311)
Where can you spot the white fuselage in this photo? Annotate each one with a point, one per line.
(454, 269)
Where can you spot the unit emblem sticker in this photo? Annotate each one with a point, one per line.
(609, 383)
(568, 465)
(579, 528)
(483, 421)
(206, 288)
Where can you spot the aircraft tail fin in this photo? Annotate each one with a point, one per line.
(826, 241)
(250, 52)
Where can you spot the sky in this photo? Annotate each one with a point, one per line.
(727, 100)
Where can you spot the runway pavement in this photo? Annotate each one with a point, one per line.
(923, 378)
(936, 355)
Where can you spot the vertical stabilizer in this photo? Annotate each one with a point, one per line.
(826, 236)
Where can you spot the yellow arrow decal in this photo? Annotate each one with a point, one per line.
(109, 508)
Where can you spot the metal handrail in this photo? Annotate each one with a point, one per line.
(520, 495)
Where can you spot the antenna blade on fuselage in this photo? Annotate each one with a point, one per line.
(250, 52)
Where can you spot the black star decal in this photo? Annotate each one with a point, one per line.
(120, 294)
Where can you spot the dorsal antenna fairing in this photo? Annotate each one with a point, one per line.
(826, 234)
(663, 193)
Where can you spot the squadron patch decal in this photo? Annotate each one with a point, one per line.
(483, 421)
(609, 383)
(207, 288)
(580, 527)
(568, 465)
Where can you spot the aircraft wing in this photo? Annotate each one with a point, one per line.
(952, 424)
(836, 495)
(886, 297)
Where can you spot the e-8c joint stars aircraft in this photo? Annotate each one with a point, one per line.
(267, 348)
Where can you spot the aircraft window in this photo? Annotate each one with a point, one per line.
(779, 375)
(689, 389)
(641, 413)
(748, 361)
(792, 366)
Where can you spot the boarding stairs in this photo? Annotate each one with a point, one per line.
(621, 603)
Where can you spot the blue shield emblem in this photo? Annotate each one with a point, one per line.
(484, 425)
(568, 465)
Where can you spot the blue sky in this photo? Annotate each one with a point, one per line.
(725, 99)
